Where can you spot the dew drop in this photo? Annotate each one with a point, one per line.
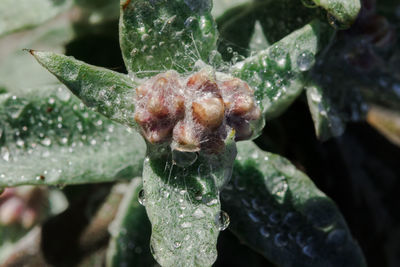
(335, 23)
(264, 231)
(280, 240)
(198, 213)
(305, 60)
(222, 220)
(141, 198)
(177, 244)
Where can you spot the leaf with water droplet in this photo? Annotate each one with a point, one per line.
(46, 134)
(108, 92)
(290, 222)
(25, 14)
(327, 122)
(184, 224)
(341, 13)
(130, 232)
(160, 35)
(274, 73)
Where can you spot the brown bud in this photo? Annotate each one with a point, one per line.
(242, 104)
(185, 138)
(156, 105)
(209, 112)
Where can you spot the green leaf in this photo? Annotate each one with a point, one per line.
(280, 18)
(108, 92)
(277, 73)
(22, 14)
(166, 34)
(48, 136)
(341, 13)
(183, 204)
(327, 121)
(130, 232)
(278, 211)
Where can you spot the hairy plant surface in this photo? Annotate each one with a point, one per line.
(196, 92)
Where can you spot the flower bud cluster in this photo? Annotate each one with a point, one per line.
(196, 112)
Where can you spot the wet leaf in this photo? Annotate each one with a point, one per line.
(130, 231)
(183, 206)
(277, 73)
(278, 211)
(48, 136)
(159, 35)
(341, 13)
(327, 121)
(108, 92)
(22, 14)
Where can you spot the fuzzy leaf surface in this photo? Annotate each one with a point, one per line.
(160, 35)
(108, 92)
(130, 232)
(341, 13)
(278, 211)
(327, 121)
(183, 206)
(48, 136)
(22, 14)
(277, 73)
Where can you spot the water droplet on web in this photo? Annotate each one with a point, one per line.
(280, 240)
(305, 60)
(253, 216)
(186, 225)
(184, 159)
(46, 142)
(309, 3)
(222, 220)
(141, 197)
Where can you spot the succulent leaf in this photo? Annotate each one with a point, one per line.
(182, 202)
(160, 35)
(278, 211)
(48, 137)
(108, 92)
(277, 73)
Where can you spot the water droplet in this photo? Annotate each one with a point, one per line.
(222, 220)
(253, 216)
(184, 159)
(274, 218)
(186, 225)
(280, 240)
(309, 3)
(305, 60)
(264, 231)
(177, 244)
(141, 197)
(335, 23)
(309, 251)
(46, 142)
(229, 49)
(209, 199)
(198, 213)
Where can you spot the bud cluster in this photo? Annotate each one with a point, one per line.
(196, 112)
